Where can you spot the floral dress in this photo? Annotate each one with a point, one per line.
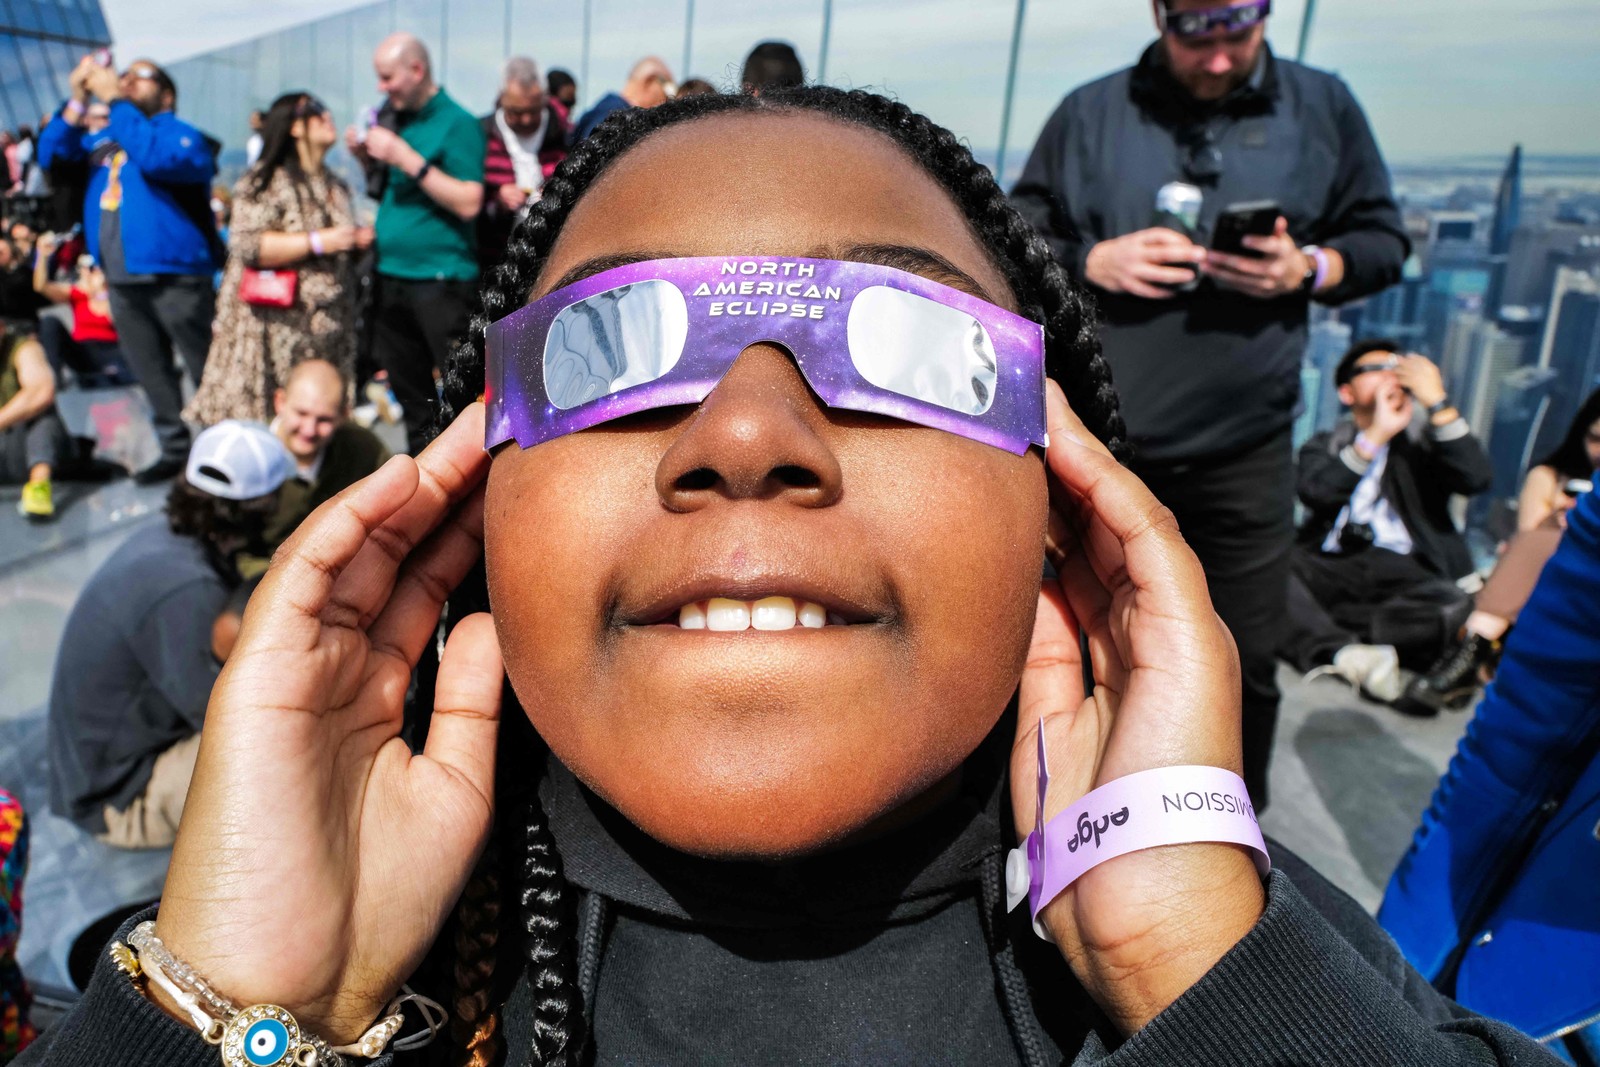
(253, 347)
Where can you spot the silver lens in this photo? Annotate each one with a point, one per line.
(920, 348)
(619, 338)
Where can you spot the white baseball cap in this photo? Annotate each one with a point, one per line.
(238, 460)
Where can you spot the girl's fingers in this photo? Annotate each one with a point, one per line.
(1052, 678)
(305, 570)
(466, 705)
(448, 470)
(1129, 538)
(407, 622)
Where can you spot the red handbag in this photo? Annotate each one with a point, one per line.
(268, 288)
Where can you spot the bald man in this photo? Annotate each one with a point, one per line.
(330, 452)
(429, 153)
(649, 83)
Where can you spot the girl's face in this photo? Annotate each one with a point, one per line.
(1591, 443)
(929, 546)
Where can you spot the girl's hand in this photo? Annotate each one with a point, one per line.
(318, 857)
(1140, 929)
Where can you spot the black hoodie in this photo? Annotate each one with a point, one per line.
(898, 951)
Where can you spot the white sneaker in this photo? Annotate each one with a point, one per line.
(1372, 669)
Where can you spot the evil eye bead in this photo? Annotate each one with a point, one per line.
(261, 1036)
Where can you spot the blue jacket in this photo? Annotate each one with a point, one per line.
(1498, 898)
(159, 180)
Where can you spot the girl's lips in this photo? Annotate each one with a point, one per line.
(724, 614)
(767, 602)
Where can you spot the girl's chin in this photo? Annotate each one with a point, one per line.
(780, 820)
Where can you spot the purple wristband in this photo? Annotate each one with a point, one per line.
(1164, 806)
(1321, 259)
(315, 240)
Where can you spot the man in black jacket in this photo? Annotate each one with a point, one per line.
(1209, 374)
(1375, 575)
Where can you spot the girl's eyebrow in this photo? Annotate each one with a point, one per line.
(600, 264)
(909, 258)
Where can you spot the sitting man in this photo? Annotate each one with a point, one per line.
(1374, 577)
(33, 442)
(330, 452)
(135, 668)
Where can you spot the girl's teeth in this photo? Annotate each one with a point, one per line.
(773, 613)
(722, 614)
(768, 613)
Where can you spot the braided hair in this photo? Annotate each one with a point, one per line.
(546, 911)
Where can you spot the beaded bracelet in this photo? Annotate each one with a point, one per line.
(262, 1035)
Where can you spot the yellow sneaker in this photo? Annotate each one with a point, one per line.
(37, 503)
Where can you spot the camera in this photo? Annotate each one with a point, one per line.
(1355, 537)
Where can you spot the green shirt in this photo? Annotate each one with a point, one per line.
(417, 237)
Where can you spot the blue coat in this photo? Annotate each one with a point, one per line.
(161, 178)
(1498, 897)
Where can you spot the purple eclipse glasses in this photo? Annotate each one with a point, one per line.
(1232, 18)
(664, 332)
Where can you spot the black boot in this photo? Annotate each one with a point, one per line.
(1453, 678)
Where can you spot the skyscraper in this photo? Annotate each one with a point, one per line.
(1570, 349)
(1507, 213)
(40, 42)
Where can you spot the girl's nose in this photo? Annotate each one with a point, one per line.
(761, 434)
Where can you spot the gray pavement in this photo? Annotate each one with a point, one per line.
(1349, 778)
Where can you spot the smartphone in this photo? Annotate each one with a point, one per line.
(102, 57)
(1257, 218)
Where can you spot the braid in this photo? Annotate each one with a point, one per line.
(549, 921)
(1043, 291)
(476, 1026)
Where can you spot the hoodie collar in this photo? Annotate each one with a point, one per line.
(906, 873)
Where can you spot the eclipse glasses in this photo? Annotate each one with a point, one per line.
(1233, 18)
(866, 338)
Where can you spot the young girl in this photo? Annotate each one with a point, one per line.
(783, 653)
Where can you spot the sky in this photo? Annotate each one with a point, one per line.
(1438, 78)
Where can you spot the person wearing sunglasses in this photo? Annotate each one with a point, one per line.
(148, 221)
(1205, 346)
(1378, 573)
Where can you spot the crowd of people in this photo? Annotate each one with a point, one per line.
(1182, 267)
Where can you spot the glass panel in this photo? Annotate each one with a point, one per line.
(551, 31)
(724, 31)
(922, 349)
(98, 30)
(970, 36)
(51, 17)
(624, 32)
(25, 15)
(18, 92)
(298, 60)
(474, 52)
(77, 18)
(63, 57)
(330, 79)
(37, 70)
(426, 19)
(623, 337)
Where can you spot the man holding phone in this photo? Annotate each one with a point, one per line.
(1205, 342)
